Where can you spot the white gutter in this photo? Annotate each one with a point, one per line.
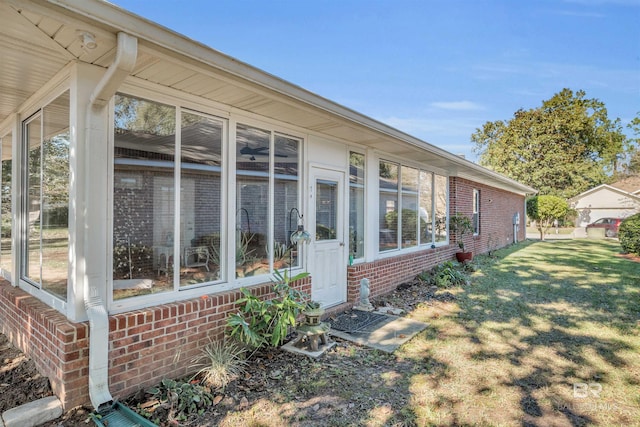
(121, 67)
(146, 30)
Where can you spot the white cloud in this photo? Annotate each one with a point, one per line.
(457, 105)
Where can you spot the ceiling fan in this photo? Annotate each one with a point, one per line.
(259, 151)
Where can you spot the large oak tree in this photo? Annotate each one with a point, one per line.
(561, 148)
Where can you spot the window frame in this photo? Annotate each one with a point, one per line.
(422, 244)
(228, 195)
(476, 212)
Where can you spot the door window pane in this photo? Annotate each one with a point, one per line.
(143, 197)
(200, 199)
(388, 210)
(5, 206)
(409, 207)
(326, 210)
(356, 205)
(426, 207)
(252, 201)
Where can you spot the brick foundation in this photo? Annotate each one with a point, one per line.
(144, 345)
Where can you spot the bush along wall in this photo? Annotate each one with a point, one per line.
(629, 234)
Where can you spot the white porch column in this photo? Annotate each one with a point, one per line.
(89, 170)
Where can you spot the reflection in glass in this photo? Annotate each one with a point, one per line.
(426, 207)
(409, 224)
(356, 205)
(285, 200)
(5, 207)
(326, 209)
(388, 209)
(441, 191)
(55, 196)
(33, 136)
(143, 197)
(252, 201)
(200, 199)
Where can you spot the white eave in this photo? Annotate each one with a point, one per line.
(170, 59)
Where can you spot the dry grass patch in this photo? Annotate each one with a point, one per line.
(543, 320)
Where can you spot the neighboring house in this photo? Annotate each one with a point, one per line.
(146, 178)
(618, 200)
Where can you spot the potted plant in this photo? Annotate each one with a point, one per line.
(461, 225)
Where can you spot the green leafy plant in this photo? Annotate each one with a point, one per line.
(220, 363)
(184, 399)
(445, 275)
(629, 234)
(280, 251)
(267, 322)
(460, 225)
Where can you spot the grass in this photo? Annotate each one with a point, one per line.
(543, 320)
(547, 334)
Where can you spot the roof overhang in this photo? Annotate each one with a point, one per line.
(38, 39)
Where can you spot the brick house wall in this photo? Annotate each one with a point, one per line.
(144, 345)
(496, 231)
(160, 342)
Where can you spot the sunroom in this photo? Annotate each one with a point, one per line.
(147, 178)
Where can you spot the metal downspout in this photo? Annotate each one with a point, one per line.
(127, 52)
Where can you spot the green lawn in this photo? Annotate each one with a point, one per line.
(546, 335)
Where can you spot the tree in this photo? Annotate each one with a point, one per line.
(633, 167)
(544, 210)
(561, 148)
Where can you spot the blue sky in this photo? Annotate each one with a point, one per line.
(437, 70)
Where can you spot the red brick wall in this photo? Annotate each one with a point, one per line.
(160, 342)
(144, 345)
(496, 214)
(386, 274)
(496, 231)
(59, 348)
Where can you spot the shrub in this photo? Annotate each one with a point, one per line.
(445, 275)
(629, 234)
(181, 400)
(220, 363)
(261, 322)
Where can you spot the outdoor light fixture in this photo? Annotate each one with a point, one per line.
(88, 40)
(300, 235)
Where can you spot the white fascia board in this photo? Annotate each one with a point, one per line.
(122, 20)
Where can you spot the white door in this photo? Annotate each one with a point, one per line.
(327, 251)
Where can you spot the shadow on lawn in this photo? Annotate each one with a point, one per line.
(546, 297)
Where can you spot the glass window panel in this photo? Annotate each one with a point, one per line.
(388, 210)
(426, 207)
(33, 136)
(143, 197)
(252, 201)
(356, 205)
(441, 194)
(55, 197)
(286, 201)
(409, 224)
(326, 209)
(476, 212)
(200, 199)
(5, 206)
